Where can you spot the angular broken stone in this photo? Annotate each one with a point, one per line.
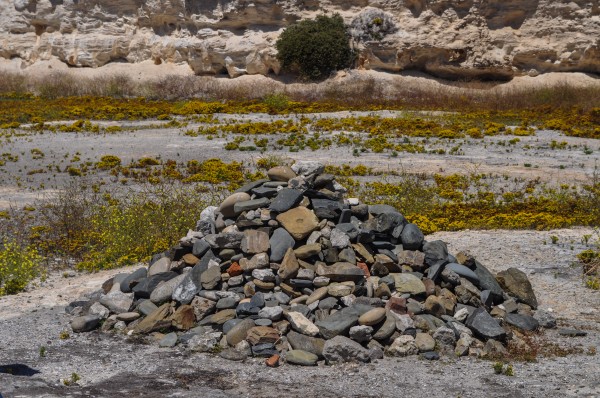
(255, 241)
(340, 272)
(517, 284)
(342, 349)
(285, 200)
(289, 265)
(408, 283)
(301, 324)
(484, 326)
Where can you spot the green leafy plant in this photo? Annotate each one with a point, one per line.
(315, 48)
(72, 380)
(18, 266)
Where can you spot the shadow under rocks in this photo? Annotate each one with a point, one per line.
(18, 369)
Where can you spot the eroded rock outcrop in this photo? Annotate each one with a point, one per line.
(447, 38)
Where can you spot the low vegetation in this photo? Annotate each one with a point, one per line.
(97, 224)
(314, 48)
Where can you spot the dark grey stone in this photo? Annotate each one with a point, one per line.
(231, 240)
(280, 242)
(228, 325)
(246, 309)
(328, 303)
(484, 325)
(133, 279)
(285, 200)
(253, 204)
(430, 355)
(487, 298)
(571, 332)
(349, 229)
(345, 216)
(412, 237)
(85, 323)
(435, 252)
(258, 300)
(301, 308)
(300, 284)
(522, 321)
(265, 192)
(341, 321)
(386, 222)
(226, 302)
(200, 248)
(487, 281)
(302, 342)
(464, 272)
(251, 185)
(378, 209)
(264, 350)
(323, 180)
(145, 286)
(326, 208)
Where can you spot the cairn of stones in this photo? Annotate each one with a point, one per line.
(288, 269)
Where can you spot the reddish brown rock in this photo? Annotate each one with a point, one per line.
(397, 305)
(235, 270)
(273, 361)
(365, 269)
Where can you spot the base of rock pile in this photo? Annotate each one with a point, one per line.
(287, 268)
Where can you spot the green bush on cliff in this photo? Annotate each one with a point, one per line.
(315, 48)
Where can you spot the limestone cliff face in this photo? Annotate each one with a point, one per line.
(455, 39)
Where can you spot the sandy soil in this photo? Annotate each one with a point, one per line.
(111, 365)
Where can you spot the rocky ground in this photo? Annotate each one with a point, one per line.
(111, 365)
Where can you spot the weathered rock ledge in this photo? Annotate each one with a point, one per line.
(455, 39)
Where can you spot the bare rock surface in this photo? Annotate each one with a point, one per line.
(450, 39)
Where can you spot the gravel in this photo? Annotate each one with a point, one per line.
(111, 365)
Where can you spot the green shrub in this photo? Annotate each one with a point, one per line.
(18, 266)
(315, 48)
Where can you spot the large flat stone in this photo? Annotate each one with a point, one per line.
(298, 222)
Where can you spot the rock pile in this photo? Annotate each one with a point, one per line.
(287, 266)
